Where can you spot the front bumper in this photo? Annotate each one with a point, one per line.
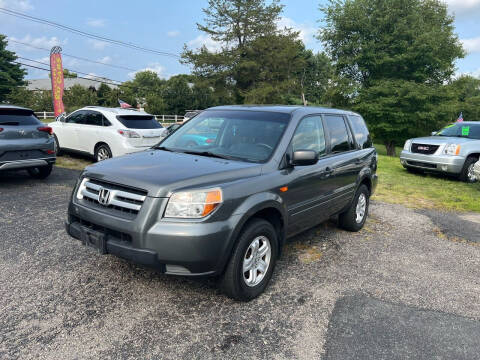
(440, 163)
(189, 248)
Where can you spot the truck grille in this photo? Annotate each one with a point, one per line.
(424, 149)
(104, 195)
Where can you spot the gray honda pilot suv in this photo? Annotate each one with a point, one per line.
(221, 195)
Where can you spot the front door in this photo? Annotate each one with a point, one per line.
(307, 184)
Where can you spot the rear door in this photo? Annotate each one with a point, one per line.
(343, 161)
(20, 137)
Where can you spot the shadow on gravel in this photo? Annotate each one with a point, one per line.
(59, 176)
(365, 328)
(457, 226)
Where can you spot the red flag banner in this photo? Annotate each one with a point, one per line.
(56, 71)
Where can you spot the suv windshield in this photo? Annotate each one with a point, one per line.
(233, 134)
(471, 131)
(17, 117)
(139, 121)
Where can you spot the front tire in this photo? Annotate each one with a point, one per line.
(467, 173)
(102, 152)
(58, 150)
(251, 265)
(355, 216)
(41, 172)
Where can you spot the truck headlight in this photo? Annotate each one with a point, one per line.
(407, 145)
(193, 204)
(452, 149)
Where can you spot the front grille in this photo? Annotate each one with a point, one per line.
(102, 195)
(424, 149)
(422, 164)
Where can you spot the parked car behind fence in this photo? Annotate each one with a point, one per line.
(106, 132)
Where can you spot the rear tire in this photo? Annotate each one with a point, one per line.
(467, 173)
(102, 152)
(253, 260)
(41, 172)
(354, 218)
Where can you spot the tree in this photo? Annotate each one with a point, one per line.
(78, 96)
(467, 92)
(386, 47)
(256, 62)
(317, 77)
(240, 21)
(11, 75)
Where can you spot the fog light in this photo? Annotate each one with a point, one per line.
(444, 167)
(403, 162)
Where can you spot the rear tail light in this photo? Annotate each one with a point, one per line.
(47, 129)
(129, 134)
(50, 152)
(1, 129)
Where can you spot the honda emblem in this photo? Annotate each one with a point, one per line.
(104, 196)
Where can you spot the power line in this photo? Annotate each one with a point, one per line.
(85, 34)
(71, 70)
(78, 77)
(73, 56)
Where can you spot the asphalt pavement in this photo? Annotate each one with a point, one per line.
(407, 286)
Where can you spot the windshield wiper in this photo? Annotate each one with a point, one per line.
(208, 154)
(162, 148)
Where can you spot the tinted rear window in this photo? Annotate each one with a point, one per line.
(17, 117)
(139, 121)
(360, 130)
(339, 139)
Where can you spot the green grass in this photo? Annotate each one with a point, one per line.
(396, 185)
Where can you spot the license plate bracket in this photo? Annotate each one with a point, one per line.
(94, 239)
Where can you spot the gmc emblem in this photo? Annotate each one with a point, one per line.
(426, 148)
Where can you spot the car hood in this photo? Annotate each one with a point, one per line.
(439, 140)
(160, 172)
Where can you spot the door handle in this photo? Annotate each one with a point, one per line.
(329, 170)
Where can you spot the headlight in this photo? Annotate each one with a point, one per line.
(193, 204)
(407, 145)
(452, 149)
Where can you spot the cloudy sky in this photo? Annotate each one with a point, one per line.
(166, 26)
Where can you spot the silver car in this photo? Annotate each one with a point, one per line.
(25, 142)
(453, 150)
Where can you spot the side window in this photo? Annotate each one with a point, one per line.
(360, 130)
(339, 136)
(106, 122)
(309, 135)
(93, 118)
(75, 118)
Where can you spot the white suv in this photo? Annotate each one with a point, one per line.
(106, 132)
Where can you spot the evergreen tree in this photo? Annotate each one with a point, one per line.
(11, 75)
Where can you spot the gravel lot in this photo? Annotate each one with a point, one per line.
(407, 286)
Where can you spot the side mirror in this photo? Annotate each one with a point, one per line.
(304, 158)
(61, 117)
(434, 133)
